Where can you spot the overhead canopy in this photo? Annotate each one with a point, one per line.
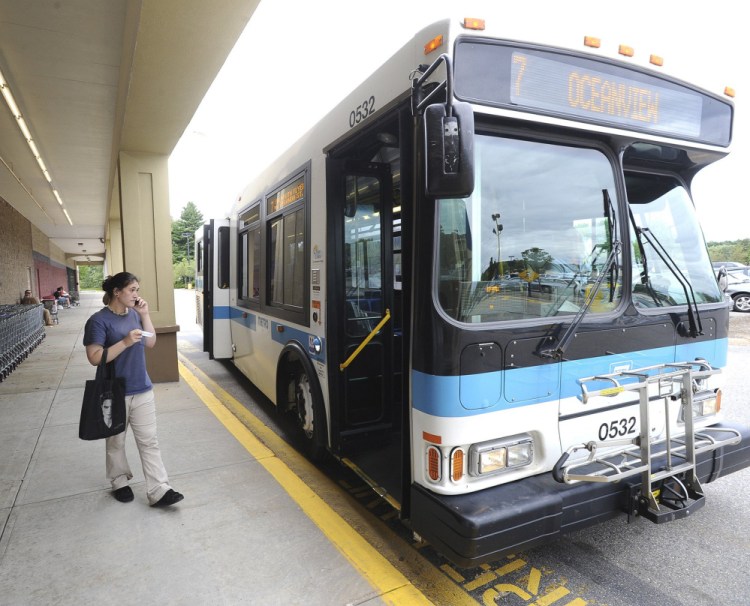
(92, 78)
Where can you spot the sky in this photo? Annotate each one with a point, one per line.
(296, 60)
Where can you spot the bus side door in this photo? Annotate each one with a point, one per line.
(217, 339)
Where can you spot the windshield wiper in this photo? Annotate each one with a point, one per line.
(694, 318)
(645, 275)
(593, 257)
(559, 351)
(611, 216)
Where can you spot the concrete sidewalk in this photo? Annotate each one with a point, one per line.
(237, 538)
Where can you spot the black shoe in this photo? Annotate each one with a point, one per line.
(170, 498)
(124, 494)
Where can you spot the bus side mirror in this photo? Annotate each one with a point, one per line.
(449, 151)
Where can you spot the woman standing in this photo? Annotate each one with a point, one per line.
(124, 327)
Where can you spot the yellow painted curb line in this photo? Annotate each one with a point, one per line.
(393, 587)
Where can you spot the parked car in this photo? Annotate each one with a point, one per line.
(738, 288)
(727, 264)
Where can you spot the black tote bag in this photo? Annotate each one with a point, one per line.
(103, 409)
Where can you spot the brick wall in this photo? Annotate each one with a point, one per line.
(16, 261)
(28, 259)
(49, 275)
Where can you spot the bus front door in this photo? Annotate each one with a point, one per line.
(362, 408)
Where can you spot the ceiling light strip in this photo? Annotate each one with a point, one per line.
(26, 189)
(14, 109)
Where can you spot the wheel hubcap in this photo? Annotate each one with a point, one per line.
(304, 405)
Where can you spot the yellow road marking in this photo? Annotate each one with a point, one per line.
(393, 587)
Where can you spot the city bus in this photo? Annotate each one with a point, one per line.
(480, 282)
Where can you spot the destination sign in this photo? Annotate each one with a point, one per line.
(294, 192)
(588, 89)
(588, 93)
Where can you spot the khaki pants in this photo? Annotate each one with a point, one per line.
(140, 410)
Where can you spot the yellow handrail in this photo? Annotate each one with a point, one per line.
(368, 338)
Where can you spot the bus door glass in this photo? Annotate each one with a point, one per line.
(367, 294)
(201, 259)
(216, 319)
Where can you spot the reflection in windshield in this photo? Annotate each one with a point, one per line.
(662, 205)
(532, 239)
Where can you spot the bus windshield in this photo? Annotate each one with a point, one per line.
(531, 240)
(662, 205)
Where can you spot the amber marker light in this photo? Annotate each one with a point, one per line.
(625, 50)
(433, 463)
(476, 24)
(592, 42)
(457, 464)
(729, 92)
(436, 42)
(656, 60)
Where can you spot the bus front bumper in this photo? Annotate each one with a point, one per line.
(483, 526)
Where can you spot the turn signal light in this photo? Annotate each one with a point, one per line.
(457, 464)
(436, 42)
(476, 24)
(592, 42)
(656, 60)
(433, 463)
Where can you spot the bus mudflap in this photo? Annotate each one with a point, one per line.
(483, 526)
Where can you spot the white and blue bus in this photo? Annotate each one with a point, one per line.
(480, 282)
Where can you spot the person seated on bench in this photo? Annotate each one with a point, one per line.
(62, 297)
(28, 299)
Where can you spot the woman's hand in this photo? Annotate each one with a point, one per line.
(149, 339)
(141, 306)
(133, 337)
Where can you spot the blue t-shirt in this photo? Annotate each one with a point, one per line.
(107, 328)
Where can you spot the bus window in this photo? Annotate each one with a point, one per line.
(223, 260)
(248, 283)
(287, 260)
(287, 234)
(253, 263)
(662, 205)
(531, 240)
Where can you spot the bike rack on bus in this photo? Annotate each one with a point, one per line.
(679, 492)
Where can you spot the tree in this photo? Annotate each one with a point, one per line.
(183, 273)
(90, 277)
(190, 220)
(733, 250)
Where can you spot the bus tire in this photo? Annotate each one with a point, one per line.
(310, 416)
(305, 403)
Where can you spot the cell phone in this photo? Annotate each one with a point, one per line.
(146, 333)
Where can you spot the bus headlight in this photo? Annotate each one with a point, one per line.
(499, 455)
(709, 404)
(705, 404)
(520, 454)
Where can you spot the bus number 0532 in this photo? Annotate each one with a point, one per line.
(362, 111)
(613, 429)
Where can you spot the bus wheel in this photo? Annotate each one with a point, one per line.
(310, 416)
